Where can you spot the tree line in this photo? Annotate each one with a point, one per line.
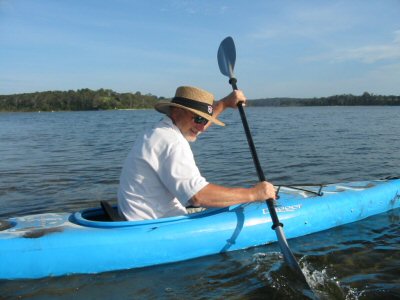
(344, 100)
(104, 99)
(83, 99)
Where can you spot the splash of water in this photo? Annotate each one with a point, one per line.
(271, 268)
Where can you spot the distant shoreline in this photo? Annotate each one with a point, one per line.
(80, 100)
(365, 99)
(87, 100)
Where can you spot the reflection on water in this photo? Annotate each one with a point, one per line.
(71, 160)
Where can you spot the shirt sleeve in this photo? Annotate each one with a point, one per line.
(180, 174)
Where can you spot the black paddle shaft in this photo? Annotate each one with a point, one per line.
(276, 225)
(226, 62)
(261, 176)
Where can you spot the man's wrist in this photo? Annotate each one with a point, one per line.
(222, 104)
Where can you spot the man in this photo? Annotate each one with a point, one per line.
(160, 177)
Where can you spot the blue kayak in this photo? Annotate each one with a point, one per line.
(56, 244)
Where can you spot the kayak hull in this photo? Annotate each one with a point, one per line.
(57, 244)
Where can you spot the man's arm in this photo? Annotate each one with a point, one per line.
(213, 195)
(229, 101)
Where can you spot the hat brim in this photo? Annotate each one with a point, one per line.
(163, 107)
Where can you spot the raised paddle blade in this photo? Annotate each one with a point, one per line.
(227, 57)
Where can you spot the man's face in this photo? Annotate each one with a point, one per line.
(185, 121)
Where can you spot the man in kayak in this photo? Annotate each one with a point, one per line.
(160, 177)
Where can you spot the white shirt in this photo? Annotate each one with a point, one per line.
(159, 175)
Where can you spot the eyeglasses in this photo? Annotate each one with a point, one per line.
(200, 120)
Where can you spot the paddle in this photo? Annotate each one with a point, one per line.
(226, 62)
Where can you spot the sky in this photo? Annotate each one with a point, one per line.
(283, 48)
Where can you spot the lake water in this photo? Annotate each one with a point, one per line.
(67, 161)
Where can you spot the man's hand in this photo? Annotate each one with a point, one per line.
(233, 99)
(264, 191)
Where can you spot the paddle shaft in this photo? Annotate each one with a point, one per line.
(276, 225)
(226, 62)
(261, 176)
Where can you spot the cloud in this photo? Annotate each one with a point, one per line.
(372, 53)
(310, 21)
(366, 54)
(381, 80)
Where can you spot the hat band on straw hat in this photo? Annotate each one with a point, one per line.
(203, 107)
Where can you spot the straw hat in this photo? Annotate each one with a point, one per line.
(193, 99)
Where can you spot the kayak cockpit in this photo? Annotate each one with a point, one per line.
(101, 218)
(111, 213)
